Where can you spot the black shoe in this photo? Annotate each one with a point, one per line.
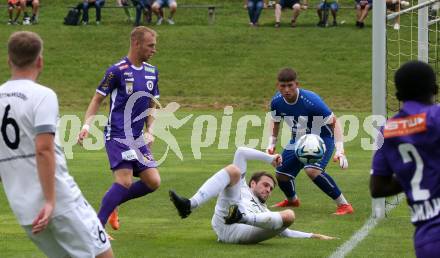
(320, 24)
(335, 23)
(358, 24)
(234, 215)
(182, 204)
(361, 25)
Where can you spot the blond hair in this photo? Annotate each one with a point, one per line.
(138, 33)
(24, 47)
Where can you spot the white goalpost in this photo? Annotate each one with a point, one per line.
(417, 38)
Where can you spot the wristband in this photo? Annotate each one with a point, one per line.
(339, 146)
(86, 127)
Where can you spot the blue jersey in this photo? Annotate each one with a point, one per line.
(411, 151)
(123, 81)
(309, 114)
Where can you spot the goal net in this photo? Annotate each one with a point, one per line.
(402, 31)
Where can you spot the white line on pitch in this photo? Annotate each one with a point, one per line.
(355, 239)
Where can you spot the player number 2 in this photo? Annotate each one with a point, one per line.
(409, 153)
(10, 121)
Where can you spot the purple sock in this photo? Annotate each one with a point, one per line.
(137, 190)
(114, 196)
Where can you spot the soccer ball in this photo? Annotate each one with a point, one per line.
(310, 148)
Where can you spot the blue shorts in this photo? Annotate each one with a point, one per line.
(165, 3)
(333, 6)
(291, 164)
(122, 156)
(288, 3)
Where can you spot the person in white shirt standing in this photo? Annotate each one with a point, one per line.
(43, 196)
(241, 215)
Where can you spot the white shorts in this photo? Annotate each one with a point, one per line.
(76, 233)
(241, 233)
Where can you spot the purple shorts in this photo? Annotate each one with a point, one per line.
(120, 156)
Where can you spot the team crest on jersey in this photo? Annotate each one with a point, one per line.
(150, 85)
(405, 125)
(129, 87)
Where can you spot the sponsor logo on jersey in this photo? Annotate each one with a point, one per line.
(149, 69)
(129, 79)
(128, 74)
(405, 125)
(129, 87)
(148, 77)
(150, 85)
(123, 67)
(129, 155)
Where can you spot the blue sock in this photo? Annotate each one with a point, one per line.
(137, 190)
(326, 183)
(288, 188)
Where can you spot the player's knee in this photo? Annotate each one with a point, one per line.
(312, 173)
(288, 217)
(234, 173)
(153, 183)
(297, 7)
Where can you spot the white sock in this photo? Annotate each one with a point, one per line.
(341, 200)
(267, 220)
(211, 188)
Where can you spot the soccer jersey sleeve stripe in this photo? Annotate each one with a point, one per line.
(45, 129)
(101, 92)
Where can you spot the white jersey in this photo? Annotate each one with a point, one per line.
(28, 109)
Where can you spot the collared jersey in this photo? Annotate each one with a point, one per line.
(131, 91)
(309, 114)
(411, 152)
(26, 110)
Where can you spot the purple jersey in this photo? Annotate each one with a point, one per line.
(131, 91)
(411, 152)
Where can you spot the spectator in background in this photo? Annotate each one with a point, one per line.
(142, 6)
(124, 4)
(85, 5)
(325, 6)
(254, 9)
(13, 5)
(362, 9)
(394, 6)
(35, 4)
(157, 9)
(292, 4)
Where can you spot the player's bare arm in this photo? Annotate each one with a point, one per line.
(339, 142)
(45, 157)
(273, 136)
(149, 123)
(93, 108)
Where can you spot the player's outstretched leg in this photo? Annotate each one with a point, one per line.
(287, 185)
(182, 204)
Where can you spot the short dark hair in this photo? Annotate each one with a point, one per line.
(415, 80)
(258, 175)
(24, 47)
(287, 75)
